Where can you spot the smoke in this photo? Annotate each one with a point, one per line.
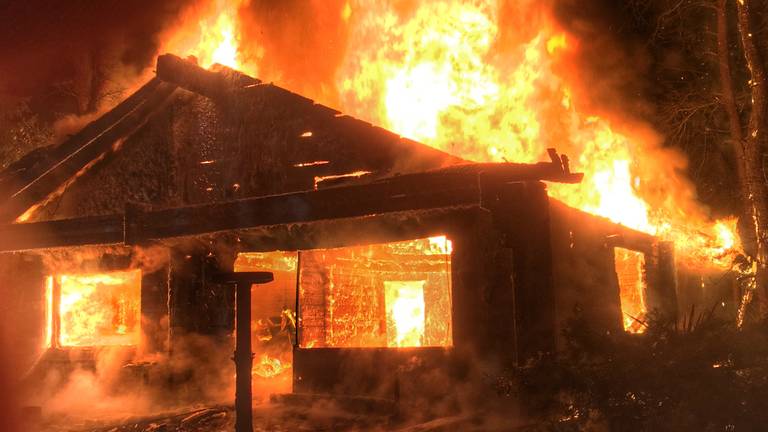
(9, 405)
(45, 43)
(92, 259)
(111, 383)
(612, 60)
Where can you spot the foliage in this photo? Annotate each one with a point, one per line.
(21, 131)
(671, 378)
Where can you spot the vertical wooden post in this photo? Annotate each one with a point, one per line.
(667, 279)
(298, 290)
(243, 358)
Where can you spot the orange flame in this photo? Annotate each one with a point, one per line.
(446, 83)
(215, 39)
(454, 84)
(94, 310)
(269, 367)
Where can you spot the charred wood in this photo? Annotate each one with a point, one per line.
(190, 76)
(246, 97)
(400, 194)
(95, 230)
(459, 186)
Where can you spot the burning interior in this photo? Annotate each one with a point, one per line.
(86, 310)
(385, 295)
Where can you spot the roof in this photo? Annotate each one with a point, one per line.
(41, 173)
(339, 144)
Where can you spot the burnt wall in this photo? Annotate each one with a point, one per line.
(143, 170)
(197, 305)
(477, 302)
(519, 266)
(154, 309)
(406, 373)
(700, 292)
(584, 269)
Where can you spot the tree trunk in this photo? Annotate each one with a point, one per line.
(754, 190)
(726, 88)
(728, 100)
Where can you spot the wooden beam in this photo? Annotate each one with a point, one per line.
(140, 225)
(95, 230)
(190, 76)
(399, 194)
(452, 187)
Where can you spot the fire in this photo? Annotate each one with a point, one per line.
(405, 311)
(381, 295)
(94, 309)
(629, 269)
(269, 367)
(457, 84)
(215, 39)
(451, 83)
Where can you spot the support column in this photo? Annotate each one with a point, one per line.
(243, 354)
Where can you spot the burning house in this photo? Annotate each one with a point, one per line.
(390, 260)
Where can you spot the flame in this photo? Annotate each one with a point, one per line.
(452, 83)
(632, 286)
(405, 310)
(215, 39)
(457, 84)
(439, 245)
(269, 367)
(394, 294)
(94, 309)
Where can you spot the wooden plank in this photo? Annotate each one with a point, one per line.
(189, 76)
(333, 203)
(400, 194)
(96, 230)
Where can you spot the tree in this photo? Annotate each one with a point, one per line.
(748, 138)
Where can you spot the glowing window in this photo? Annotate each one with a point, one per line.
(630, 267)
(383, 295)
(93, 309)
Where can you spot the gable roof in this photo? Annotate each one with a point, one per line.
(332, 144)
(48, 171)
